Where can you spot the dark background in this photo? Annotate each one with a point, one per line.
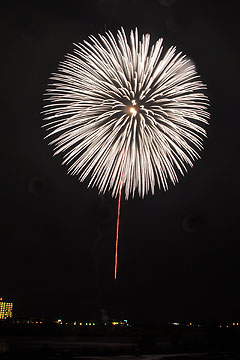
(179, 250)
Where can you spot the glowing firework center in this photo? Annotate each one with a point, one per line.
(133, 111)
(133, 108)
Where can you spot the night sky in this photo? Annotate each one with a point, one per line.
(178, 250)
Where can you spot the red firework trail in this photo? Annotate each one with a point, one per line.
(118, 215)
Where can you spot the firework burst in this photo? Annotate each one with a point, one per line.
(116, 96)
(124, 115)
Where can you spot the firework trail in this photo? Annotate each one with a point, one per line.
(118, 216)
(115, 96)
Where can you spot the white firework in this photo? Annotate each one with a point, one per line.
(121, 112)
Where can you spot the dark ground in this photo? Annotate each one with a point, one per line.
(54, 342)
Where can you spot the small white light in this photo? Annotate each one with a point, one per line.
(133, 110)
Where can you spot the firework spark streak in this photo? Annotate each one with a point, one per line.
(115, 94)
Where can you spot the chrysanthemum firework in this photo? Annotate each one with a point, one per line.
(123, 113)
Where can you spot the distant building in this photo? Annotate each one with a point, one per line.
(5, 309)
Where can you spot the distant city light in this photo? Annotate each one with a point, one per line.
(114, 323)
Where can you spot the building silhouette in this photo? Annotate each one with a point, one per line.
(5, 309)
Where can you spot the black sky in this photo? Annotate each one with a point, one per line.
(179, 250)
